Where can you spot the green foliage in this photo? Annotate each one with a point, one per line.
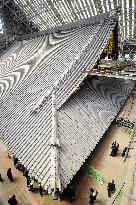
(95, 174)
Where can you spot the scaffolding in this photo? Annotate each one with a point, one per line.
(14, 23)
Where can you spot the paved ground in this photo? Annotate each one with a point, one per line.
(111, 168)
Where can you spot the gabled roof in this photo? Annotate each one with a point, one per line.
(40, 75)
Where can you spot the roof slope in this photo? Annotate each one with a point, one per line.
(29, 72)
(55, 53)
(85, 117)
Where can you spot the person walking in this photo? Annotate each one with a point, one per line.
(57, 194)
(26, 172)
(9, 175)
(31, 185)
(93, 194)
(15, 161)
(112, 145)
(28, 181)
(71, 193)
(115, 143)
(1, 180)
(40, 189)
(124, 151)
(113, 187)
(117, 147)
(109, 189)
(12, 200)
(114, 149)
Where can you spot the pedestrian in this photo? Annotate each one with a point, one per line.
(40, 189)
(109, 189)
(91, 191)
(90, 199)
(113, 151)
(124, 151)
(71, 194)
(28, 181)
(113, 187)
(1, 180)
(93, 194)
(117, 147)
(9, 175)
(31, 185)
(15, 161)
(57, 195)
(26, 172)
(113, 145)
(12, 200)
